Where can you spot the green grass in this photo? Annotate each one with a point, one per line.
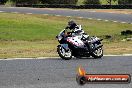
(40, 27)
(26, 27)
(11, 49)
(23, 35)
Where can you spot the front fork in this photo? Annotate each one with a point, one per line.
(65, 46)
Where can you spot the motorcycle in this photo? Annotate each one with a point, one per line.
(78, 45)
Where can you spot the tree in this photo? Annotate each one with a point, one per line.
(92, 2)
(125, 2)
(110, 1)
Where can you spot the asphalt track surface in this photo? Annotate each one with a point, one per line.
(57, 73)
(123, 18)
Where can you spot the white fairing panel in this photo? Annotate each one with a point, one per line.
(60, 35)
(75, 41)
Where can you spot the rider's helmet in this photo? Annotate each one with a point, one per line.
(72, 24)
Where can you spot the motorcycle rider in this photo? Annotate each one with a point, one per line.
(74, 27)
(77, 30)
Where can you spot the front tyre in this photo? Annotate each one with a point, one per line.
(98, 53)
(66, 55)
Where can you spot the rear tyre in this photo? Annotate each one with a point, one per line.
(65, 55)
(98, 53)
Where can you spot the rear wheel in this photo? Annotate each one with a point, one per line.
(98, 53)
(66, 55)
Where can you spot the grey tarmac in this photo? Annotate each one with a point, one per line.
(123, 18)
(58, 73)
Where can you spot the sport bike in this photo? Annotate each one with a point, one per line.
(72, 44)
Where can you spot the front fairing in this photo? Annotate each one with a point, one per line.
(60, 35)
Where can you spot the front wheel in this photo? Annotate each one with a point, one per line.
(98, 53)
(66, 55)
